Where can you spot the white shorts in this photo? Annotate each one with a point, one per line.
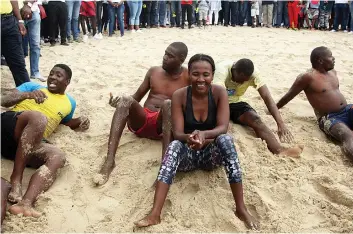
(255, 9)
(203, 15)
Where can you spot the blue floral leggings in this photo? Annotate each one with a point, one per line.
(180, 157)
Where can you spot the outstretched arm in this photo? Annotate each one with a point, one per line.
(144, 87)
(301, 83)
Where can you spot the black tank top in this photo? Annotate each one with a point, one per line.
(190, 123)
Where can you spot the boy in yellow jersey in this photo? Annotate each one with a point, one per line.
(37, 112)
(237, 78)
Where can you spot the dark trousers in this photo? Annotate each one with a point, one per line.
(99, 13)
(225, 13)
(11, 48)
(105, 17)
(57, 14)
(146, 14)
(186, 8)
(234, 12)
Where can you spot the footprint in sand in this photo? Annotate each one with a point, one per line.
(336, 193)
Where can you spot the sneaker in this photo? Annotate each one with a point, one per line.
(333, 30)
(40, 78)
(139, 31)
(69, 40)
(96, 36)
(345, 31)
(100, 35)
(84, 38)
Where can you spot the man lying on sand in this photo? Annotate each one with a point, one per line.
(200, 118)
(146, 121)
(321, 87)
(37, 113)
(237, 77)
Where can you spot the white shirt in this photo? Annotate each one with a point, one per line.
(341, 1)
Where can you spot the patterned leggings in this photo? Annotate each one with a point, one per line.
(180, 157)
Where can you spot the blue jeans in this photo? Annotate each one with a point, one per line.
(135, 8)
(119, 11)
(11, 48)
(159, 12)
(175, 11)
(341, 16)
(73, 11)
(351, 7)
(33, 38)
(282, 14)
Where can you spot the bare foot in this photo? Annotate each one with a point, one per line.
(250, 222)
(293, 152)
(15, 194)
(103, 175)
(149, 220)
(24, 208)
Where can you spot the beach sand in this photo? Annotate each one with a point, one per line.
(310, 194)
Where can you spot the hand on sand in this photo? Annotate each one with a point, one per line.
(85, 123)
(24, 208)
(113, 101)
(149, 220)
(250, 222)
(15, 194)
(285, 135)
(103, 175)
(293, 152)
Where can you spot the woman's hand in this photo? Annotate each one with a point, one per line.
(196, 140)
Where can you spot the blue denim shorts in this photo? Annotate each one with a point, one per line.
(344, 116)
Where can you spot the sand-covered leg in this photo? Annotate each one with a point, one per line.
(344, 135)
(127, 109)
(5, 190)
(29, 132)
(227, 151)
(49, 159)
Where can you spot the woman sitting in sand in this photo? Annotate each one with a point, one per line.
(200, 117)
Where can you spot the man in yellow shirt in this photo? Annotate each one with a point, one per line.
(237, 78)
(12, 30)
(37, 112)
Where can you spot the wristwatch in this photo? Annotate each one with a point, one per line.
(21, 21)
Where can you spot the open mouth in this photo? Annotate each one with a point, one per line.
(52, 85)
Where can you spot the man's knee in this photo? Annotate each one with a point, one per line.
(58, 159)
(38, 119)
(125, 101)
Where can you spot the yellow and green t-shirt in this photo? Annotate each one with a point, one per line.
(58, 108)
(236, 91)
(5, 7)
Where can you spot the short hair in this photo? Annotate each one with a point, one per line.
(317, 53)
(202, 57)
(245, 66)
(67, 70)
(181, 48)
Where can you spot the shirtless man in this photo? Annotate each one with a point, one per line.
(146, 121)
(321, 87)
(37, 112)
(237, 77)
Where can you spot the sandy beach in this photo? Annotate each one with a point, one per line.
(310, 194)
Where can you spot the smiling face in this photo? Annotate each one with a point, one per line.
(58, 80)
(201, 76)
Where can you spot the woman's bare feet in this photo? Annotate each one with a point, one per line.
(149, 220)
(24, 208)
(293, 152)
(250, 222)
(103, 175)
(15, 194)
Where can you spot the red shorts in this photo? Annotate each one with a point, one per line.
(149, 129)
(88, 9)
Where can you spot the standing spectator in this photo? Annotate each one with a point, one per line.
(73, 10)
(274, 14)
(33, 38)
(175, 10)
(99, 11)
(215, 7)
(116, 7)
(255, 13)
(203, 11)
(351, 8)
(224, 17)
(341, 15)
(186, 7)
(135, 8)
(88, 14)
(146, 14)
(12, 27)
(159, 13)
(325, 12)
(282, 14)
(105, 17)
(57, 14)
(233, 12)
(267, 10)
(312, 13)
(293, 14)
